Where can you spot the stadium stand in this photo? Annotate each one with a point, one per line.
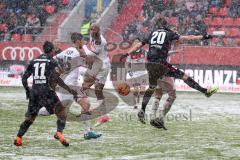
(39, 20)
(190, 17)
(28, 18)
(126, 16)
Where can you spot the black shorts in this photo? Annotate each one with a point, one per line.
(42, 98)
(158, 70)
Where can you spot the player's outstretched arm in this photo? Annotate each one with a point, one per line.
(192, 37)
(135, 47)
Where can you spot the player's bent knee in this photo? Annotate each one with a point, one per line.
(172, 93)
(88, 78)
(84, 103)
(88, 81)
(185, 77)
(172, 96)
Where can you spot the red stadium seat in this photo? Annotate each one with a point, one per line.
(214, 41)
(236, 21)
(173, 21)
(236, 41)
(228, 21)
(16, 37)
(210, 30)
(207, 21)
(234, 32)
(231, 32)
(218, 12)
(27, 38)
(212, 10)
(222, 12)
(218, 21)
(3, 27)
(65, 2)
(226, 41)
(141, 18)
(50, 9)
(228, 2)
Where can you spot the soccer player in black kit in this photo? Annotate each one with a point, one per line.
(160, 40)
(45, 74)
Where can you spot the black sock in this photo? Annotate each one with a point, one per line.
(61, 124)
(191, 83)
(147, 96)
(24, 127)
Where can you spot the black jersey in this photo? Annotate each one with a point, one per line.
(41, 69)
(159, 44)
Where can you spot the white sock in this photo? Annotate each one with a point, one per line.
(86, 127)
(166, 107)
(102, 105)
(86, 124)
(135, 100)
(155, 106)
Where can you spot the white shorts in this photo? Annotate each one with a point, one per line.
(166, 84)
(63, 95)
(71, 78)
(102, 75)
(99, 70)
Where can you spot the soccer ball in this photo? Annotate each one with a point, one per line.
(123, 89)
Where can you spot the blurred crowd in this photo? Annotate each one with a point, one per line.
(186, 15)
(26, 16)
(29, 16)
(94, 8)
(18, 17)
(234, 9)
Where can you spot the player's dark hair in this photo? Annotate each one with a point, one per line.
(76, 36)
(161, 22)
(48, 47)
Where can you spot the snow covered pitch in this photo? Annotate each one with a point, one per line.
(198, 128)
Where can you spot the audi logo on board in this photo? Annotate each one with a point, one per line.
(20, 53)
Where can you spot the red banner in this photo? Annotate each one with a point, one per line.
(190, 54)
(208, 56)
(208, 65)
